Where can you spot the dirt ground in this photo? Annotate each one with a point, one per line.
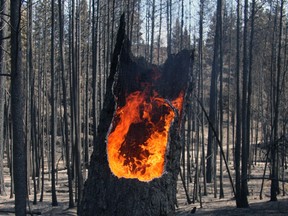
(210, 205)
(227, 207)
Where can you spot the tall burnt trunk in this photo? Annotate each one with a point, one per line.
(106, 194)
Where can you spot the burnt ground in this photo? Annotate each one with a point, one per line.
(227, 205)
(210, 205)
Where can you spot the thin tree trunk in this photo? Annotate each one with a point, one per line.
(87, 104)
(95, 13)
(65, 106)
(249, 120)
(264, 173)
(77, 115)
(211, 149)
(221, 193)
(70, 87)
(2, 97)
(27, 94)
(152, 31)
(34, 151)
(201, 21)
(228, 90)
(169, 24)
(183, 157)
(272, 96)
(12, 189)
(182, 24)
(188, 142)
(31, 121)
(159, 34)
(45, 108)
(274, 155)
(238, 113)
(53, 109)
(245, 117)
(74, 110)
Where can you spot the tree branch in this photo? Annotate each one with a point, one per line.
(8, 75)
(7, 37)
(219, 144)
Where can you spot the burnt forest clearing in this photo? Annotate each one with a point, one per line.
(136, 107)
(210, 204)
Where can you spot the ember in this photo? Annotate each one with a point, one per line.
(138, 139)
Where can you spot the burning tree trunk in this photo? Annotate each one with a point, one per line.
(136, 159)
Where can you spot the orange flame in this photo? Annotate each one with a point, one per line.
(138, 138)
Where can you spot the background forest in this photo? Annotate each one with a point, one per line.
(54, 60)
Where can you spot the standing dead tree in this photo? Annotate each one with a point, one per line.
(137, 191)
(17, 111)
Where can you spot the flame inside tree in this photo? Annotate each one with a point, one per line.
(138, 139)
(141, 102)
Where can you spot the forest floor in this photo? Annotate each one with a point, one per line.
(227, 205)
(210, 205)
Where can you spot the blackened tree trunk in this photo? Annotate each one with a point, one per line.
(17, 111)
(31, 105)
(274, 147)
(95, 18)
(76, 70)
(249, 99)
(43, 102)
(169, 26)
(211, 148)
(152, 32)
(182, 24)
(221, 190)
(53, 108)
(106, 194)
(200, 55)
(2, 98)
(87, 95)
(65, 106)
(238, 113)
(245, 117)
(159, 33)
(2, 101)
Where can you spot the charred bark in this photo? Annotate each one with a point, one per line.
(106, 194)
(17, 111)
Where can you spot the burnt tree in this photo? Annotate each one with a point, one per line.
(105, 193)
(17, 110)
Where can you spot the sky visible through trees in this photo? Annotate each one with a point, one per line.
(191, 9)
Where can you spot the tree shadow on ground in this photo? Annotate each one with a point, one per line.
(41, 208)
